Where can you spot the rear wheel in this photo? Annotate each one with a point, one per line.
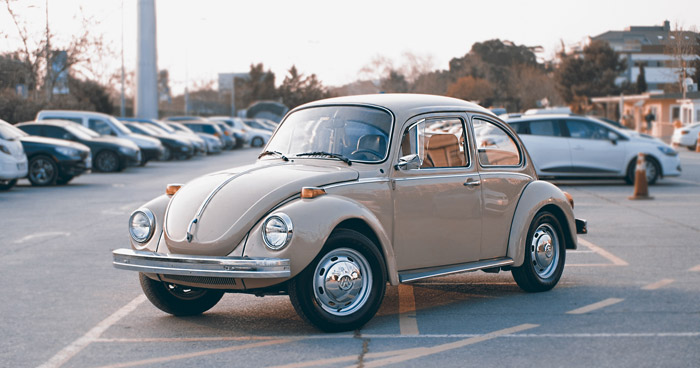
(107, 161)
(179, 300)
(344, 286)
(257, 142)
(545, 253)
(42, 171)
(167, 154)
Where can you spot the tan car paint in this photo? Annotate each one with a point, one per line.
(240, 203)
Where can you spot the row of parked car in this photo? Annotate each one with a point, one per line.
(61, 144)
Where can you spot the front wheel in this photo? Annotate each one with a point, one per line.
(42, 171)
(257, 142)
(545, 253)
(651, 167)
(344, 286)
(179, 300)
(107, 161)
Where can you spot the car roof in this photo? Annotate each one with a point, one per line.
(73, 113)
(404, 103)
(543, 117)
(54, 122)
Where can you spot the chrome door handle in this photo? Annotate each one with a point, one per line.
(472, 183)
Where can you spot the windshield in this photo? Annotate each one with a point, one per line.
(81, 132)
(182, 128)
(354, 132)
(9, 132)
(119, 126)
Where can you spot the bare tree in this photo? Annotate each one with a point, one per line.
(684, 46)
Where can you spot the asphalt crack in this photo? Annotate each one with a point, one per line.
(365, 348)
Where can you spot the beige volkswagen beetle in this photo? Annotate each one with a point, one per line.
(351, 193)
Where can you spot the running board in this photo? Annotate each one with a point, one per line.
(411, 275)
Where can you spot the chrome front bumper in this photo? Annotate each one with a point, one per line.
(205, 266)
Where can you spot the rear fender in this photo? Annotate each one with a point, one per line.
(538, 196)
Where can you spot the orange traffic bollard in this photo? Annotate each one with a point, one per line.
(641, 187)
(697, 144)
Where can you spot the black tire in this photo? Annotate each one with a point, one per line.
(7, 185)
(693, 147)
(538, 272)
(312, 296)
(107, 161)
(179, 300)
(257, 142)
(653, 170)
(63, 180)
(167, 154)
(43, 171)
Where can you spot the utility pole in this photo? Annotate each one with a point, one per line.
(122, 105)
(47, 83)
(146, 68)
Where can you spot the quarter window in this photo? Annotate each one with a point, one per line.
(586, 130)
(438, 143)
(495, 147)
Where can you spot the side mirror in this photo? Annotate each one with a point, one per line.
(613, 137)
(410, 162)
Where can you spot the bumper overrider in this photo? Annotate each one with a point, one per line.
(204, 266)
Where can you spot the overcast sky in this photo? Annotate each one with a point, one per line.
(335, 39)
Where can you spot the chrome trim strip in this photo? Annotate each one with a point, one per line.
(359, 181)
(413, 275)
(463, 175)
(206, 266)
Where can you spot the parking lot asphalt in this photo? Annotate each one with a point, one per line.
(629, 296)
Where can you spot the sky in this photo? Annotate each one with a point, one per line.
(333, 39)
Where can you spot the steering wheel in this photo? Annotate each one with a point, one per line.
(373, 155)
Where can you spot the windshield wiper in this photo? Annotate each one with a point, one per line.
(274, 153)
(321, 153)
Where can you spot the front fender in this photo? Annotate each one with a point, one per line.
(536, 196)
(313, 221)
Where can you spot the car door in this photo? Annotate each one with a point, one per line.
(437, 199)
(501, 165)
(592, 151)
(547, 146)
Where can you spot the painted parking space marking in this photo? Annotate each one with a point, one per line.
(658, 285)
(76, 346)
(615, 260)
(408, 325)
(50, 234)
(695, 269)
(595, 306)
(422, 352)
(196, 354)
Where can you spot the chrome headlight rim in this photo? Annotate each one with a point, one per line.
(151, 226)
(286, 221)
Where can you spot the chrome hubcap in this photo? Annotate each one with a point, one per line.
(544, 250)
(41, 171)
(342, 281)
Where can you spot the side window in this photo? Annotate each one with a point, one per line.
(549, 128)
(100, 126)
(586, 130)
(54, 132)
(520, 127)
(31, 129)
(437, 142)
(495, 146)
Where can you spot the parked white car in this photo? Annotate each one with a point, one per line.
(106, 125)
(570, 146)
(13, 161)
(686, 136)
(253, 136)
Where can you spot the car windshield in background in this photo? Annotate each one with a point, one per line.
(354, 132)
(81, 132)
(119, 125)
(18, 132)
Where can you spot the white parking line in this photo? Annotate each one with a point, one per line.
(76, 346)
(695, 269)
(407, 310)
(41, 235)
(617, 261)
(658, 284)
(422, 352)
(595, 306)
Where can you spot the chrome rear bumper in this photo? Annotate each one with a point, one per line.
(581, 226)
(187, 265)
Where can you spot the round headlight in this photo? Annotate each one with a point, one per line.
(277, 231)
(141, 225)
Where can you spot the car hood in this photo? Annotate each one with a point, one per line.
(115, 140)
(644, 138)
(228, 203)
(54, 142)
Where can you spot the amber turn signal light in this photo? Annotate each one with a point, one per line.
(570, 199)
(311, 192)
(171, 189)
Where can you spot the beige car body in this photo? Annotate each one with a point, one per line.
(426, 222)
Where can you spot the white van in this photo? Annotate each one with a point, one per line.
(13, 161)
(103, 124)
